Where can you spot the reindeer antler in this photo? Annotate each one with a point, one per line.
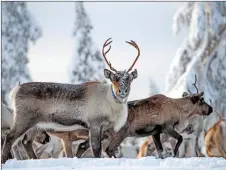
(104, 53)
(194, 84)
(136, 46)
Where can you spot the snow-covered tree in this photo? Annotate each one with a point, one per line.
(203, 53)
(87, 63)
(153, 88)
(18, 29)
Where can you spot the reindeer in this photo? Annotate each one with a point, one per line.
(215, 139)
(66, 107)
(155, 115)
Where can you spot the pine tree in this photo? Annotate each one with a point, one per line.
(87, 63)
(202, 54)
(18, 30)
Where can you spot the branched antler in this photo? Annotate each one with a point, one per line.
(104, 53)
(194, 84)
(136, 46)
(108, 63)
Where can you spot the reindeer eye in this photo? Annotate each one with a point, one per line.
(117, 78)
(202, 101)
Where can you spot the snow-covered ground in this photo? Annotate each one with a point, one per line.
(145, 163)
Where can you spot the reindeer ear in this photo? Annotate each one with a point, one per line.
(133, 75)
(107, 73)
(184, 94)
(195, 98)
(200, 94)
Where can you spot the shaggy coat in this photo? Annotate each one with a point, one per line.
(154, 115)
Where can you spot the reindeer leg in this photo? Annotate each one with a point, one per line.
(109, 136)
(67, 145)
(95, 138)
(10, 138)
(16, 152)
(171, 132)
(19, 128)
(27, 145)
(82, 147)
(22, 150)
(116, 141)
(39, 151)
(220, 147)
(158, 145)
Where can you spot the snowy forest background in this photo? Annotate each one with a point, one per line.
(202, 52)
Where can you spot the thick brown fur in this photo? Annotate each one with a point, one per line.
(215, 140)
(144, 147)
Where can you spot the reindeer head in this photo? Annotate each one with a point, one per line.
(196, 102)
(121, 80)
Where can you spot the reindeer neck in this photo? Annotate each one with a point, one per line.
(182, 105)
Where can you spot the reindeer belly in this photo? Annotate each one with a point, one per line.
(63, 119)
(58, 127)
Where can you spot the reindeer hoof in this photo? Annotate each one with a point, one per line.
(110, 153)
(165, 154)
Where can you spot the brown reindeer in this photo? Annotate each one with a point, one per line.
(189, 129)
(155, 115)
(215, 137)
(65, 107)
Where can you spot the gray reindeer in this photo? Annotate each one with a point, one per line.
(65, 107)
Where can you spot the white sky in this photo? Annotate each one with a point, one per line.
(149, 24)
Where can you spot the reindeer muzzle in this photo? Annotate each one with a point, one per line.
(210, 110)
